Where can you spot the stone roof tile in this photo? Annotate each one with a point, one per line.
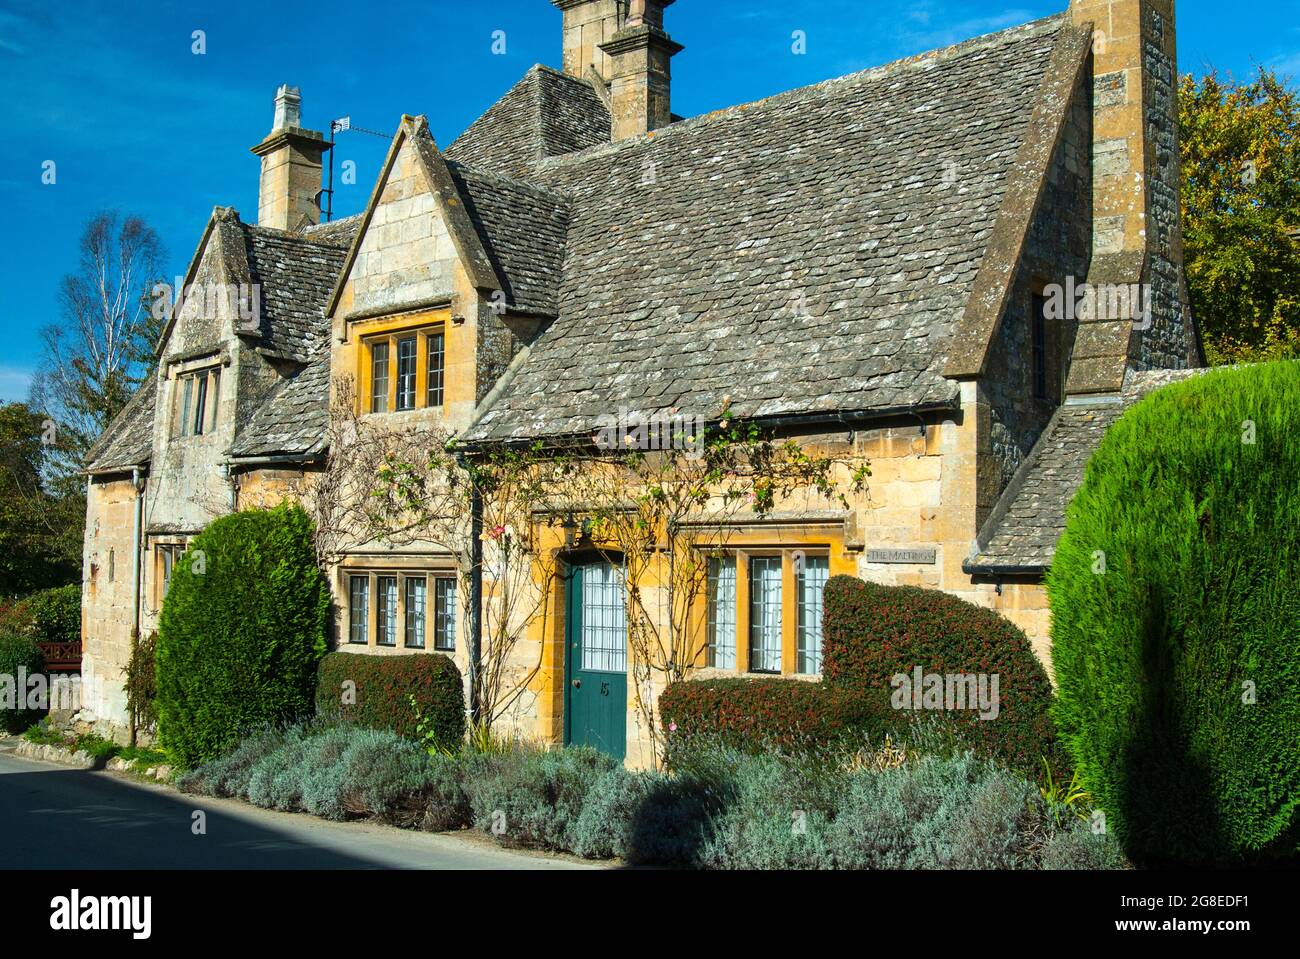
(749, 252)
(545, 114)
(128, 440)
(294, 417)
(296, 276)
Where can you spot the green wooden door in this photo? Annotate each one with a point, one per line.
(596, 659)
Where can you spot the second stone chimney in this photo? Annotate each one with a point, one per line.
(588, 24)
(640, 74)
(291, 167)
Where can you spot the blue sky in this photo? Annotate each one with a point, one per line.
(135, 121)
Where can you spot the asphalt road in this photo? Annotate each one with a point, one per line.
(53, 817)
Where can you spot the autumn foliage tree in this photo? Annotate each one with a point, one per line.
(1241, 214)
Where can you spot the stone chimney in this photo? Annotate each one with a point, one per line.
(291, 167)
(640, 76)
(1135, 125)
(588, 24)
(1137, 169)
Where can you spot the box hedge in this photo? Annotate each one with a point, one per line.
(1175, 596)
(376, 691)
(56, 614)
(18, 653)
(873, 633)
(757, 714)
(241, 632)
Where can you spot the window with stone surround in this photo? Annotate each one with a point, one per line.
(167, 555)
(386, 607)
(773, 599)
(196, 402)
(404, 369)
(359, 610)
(383, 604)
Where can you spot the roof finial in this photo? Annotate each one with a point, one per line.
(288, 107)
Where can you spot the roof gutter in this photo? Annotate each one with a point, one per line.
(137, 572)
(985, 569)
(313, 455)
(848, 420)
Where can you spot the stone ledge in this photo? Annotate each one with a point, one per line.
(55, 754)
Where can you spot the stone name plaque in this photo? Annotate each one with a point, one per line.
(927, 556)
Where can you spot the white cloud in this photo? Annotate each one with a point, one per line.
(1287, 64)
(14, 383)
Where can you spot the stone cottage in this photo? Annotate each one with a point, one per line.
(962, 265)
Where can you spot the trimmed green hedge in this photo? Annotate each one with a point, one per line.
(382, 689)
(1175, 596)
(757, 714)
(18, 652)
(874, 632)
(241, 632)
(870, 634)
(56, 614)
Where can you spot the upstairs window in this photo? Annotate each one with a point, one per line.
(379, 377)
(197, 407)
(435, 365)
(406, 370)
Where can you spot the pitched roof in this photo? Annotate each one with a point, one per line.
(1022, 532)
(522, 226)
(128, 440)
(336, 232)
(804, 254)
(1031, 517)
(293, 418)
(296, 275)
(545, 114)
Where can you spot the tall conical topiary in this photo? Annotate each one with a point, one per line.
(1175, 596)
(242, 630)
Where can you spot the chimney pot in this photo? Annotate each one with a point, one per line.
(291, 167)
(288, 108)
(640, 58)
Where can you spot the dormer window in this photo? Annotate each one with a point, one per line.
(196, 411)
(405, 369)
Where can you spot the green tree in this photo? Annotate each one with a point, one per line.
(40, 520)
(100, 349)
(1175, 596)
(241, 632)
(1241, 214)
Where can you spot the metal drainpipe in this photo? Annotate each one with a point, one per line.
(475, 595)
(137, 572)
(232, 494)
